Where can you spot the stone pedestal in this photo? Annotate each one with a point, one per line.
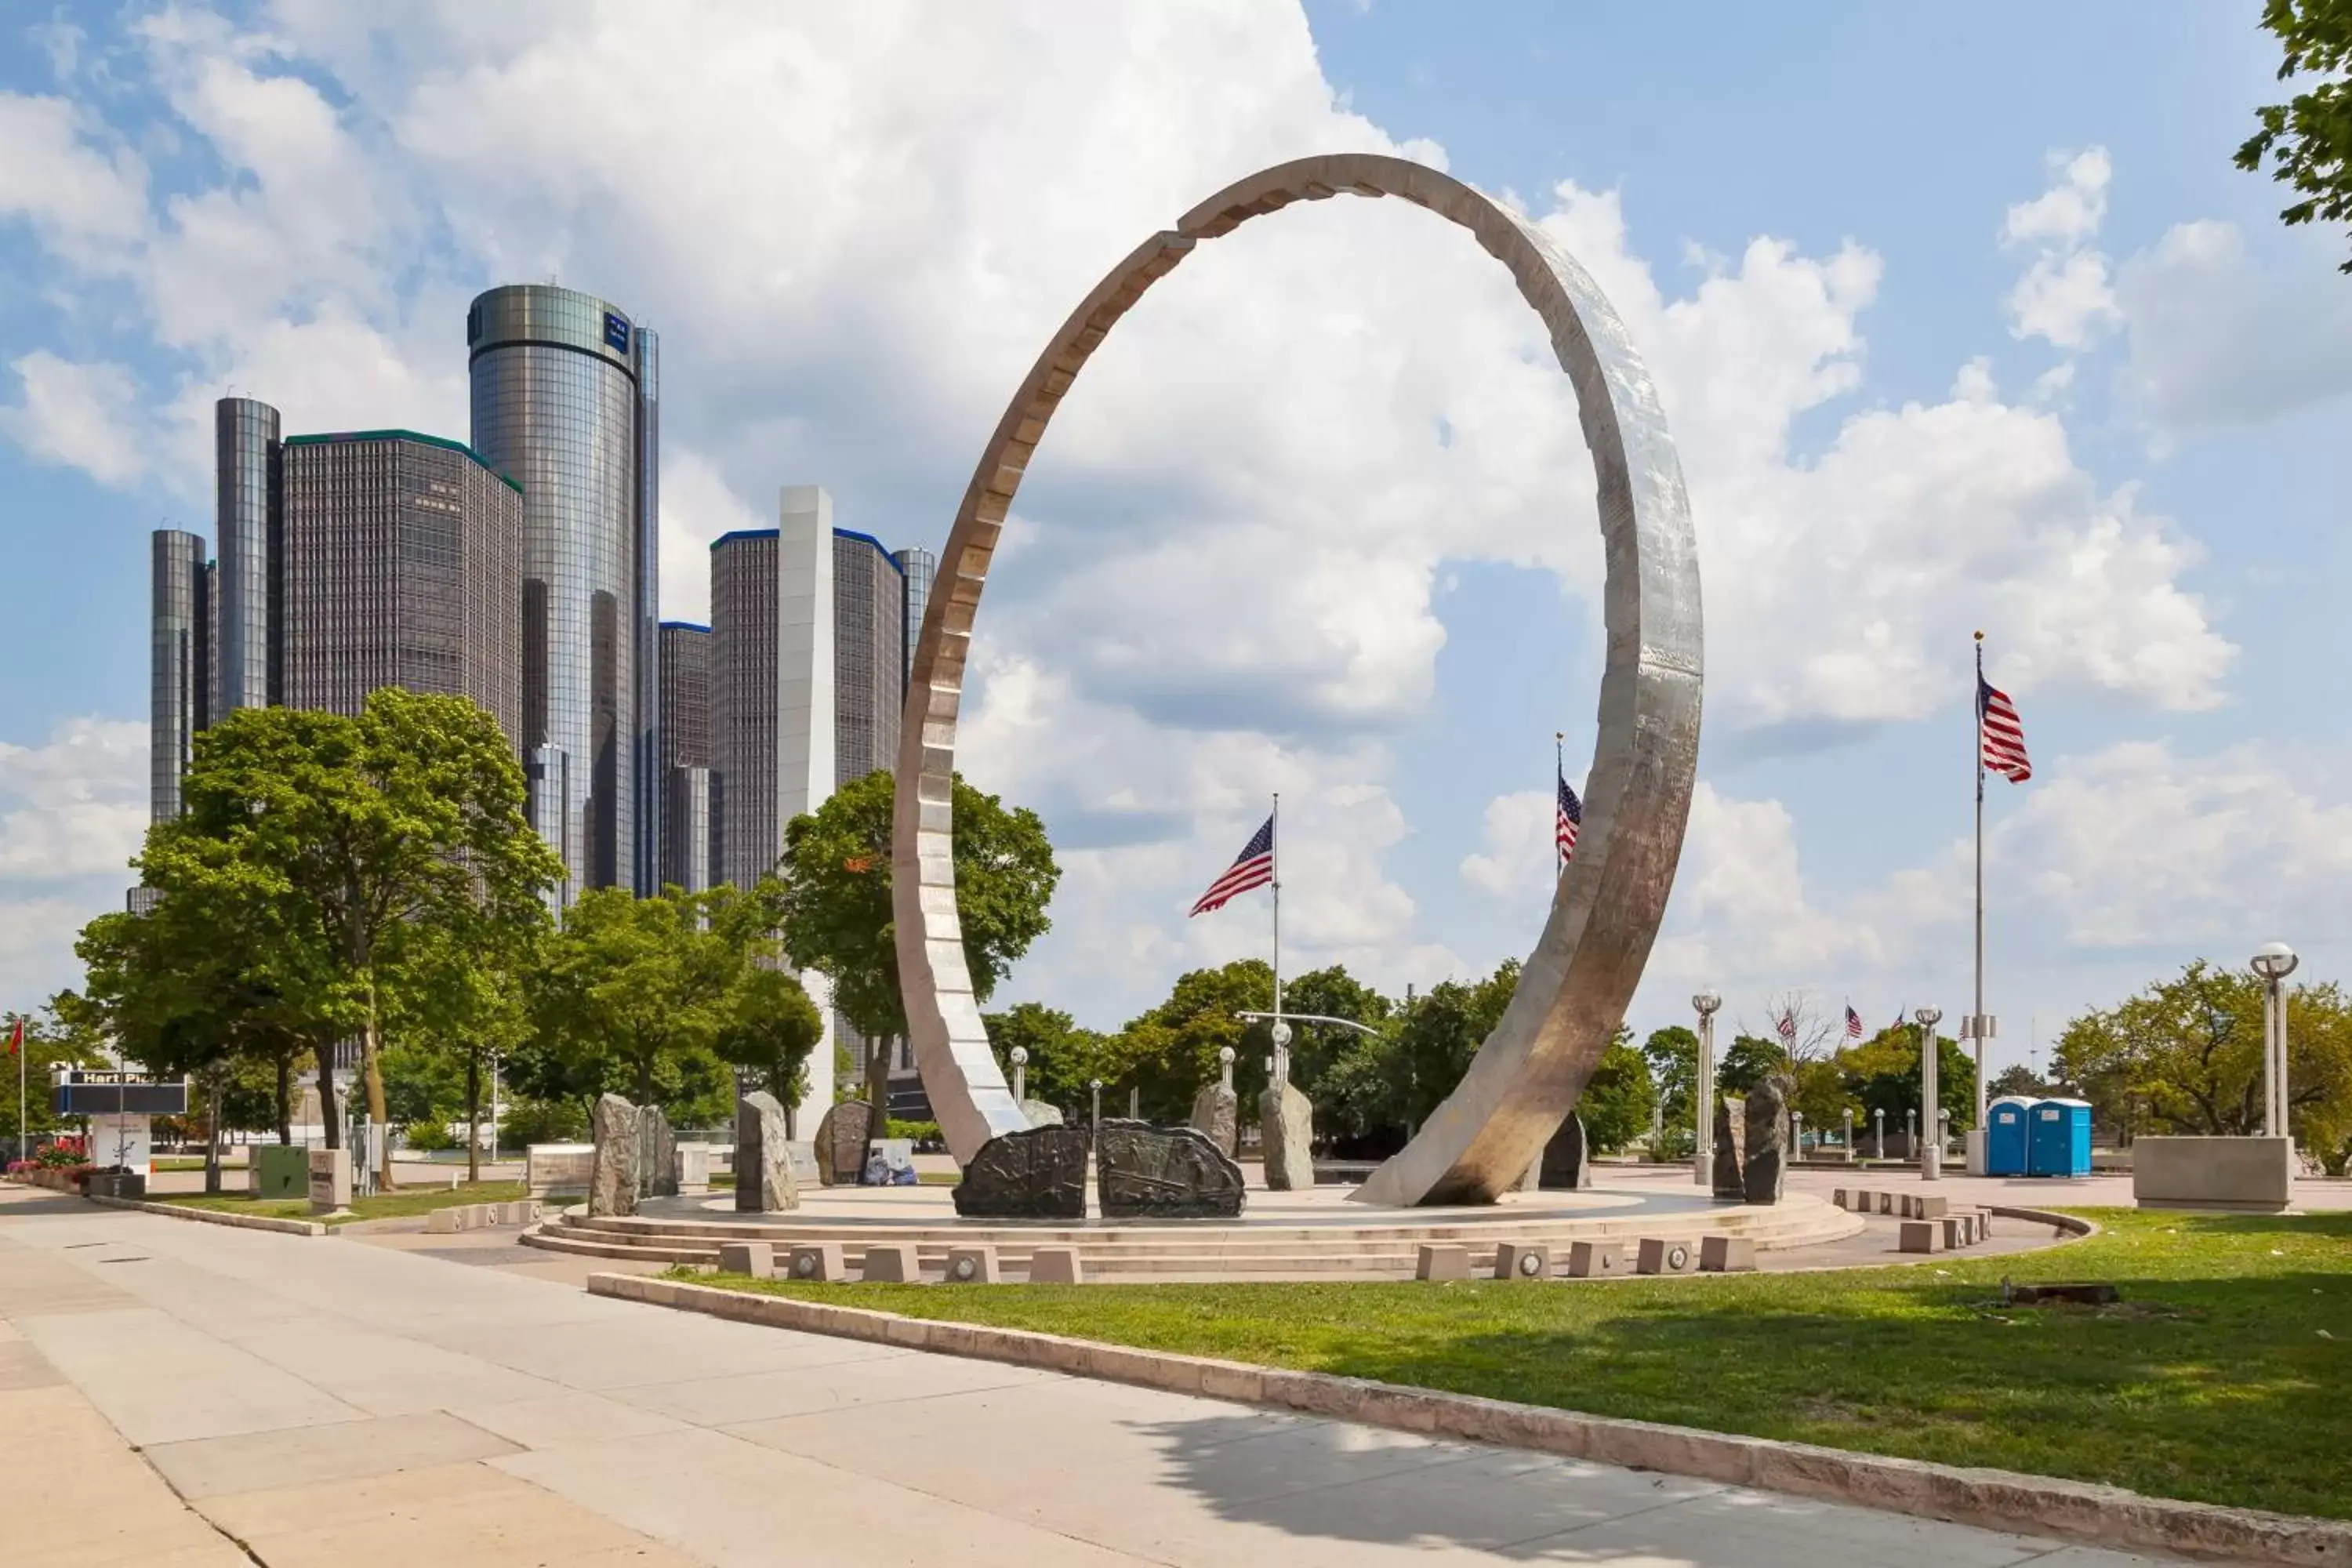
(2249, 1174)
(1567, 1165)
(612, 1178)
(693, 1169)
(656, 1154)
(330, 1180)
(841, 1139)
(1765, 1165)
(1216, 1115)
(1730, 1151)
(892, 1262)
(763, 1163)
(1286, 1123)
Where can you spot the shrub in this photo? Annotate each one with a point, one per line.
(922, 1132)
(427, 1136)
(544, 1121)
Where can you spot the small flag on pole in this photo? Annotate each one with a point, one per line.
(16, 1035)
(2001, 733)
(1254, 869)
(1853, 1023)
(1569, 818)
(1788, 1027)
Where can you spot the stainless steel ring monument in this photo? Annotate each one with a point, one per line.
(1604, 917)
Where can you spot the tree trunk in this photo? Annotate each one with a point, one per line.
(878, 1078)
(213, 1139)
(473, 1114)
(285, 1067)
(329, 1112)
(372, 1071)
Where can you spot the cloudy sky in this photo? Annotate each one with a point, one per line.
(1962, 319)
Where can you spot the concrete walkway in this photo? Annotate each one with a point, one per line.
(323, 1401)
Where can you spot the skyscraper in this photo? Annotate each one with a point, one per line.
(561, 404)
(246, 476)
(918, 567)
(870, 669)
(682, 754)
(403, 566)
(745, 834)
(180, 672)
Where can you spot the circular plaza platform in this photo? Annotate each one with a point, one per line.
(1310, 1235)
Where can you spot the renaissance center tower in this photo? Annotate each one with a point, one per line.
(564, 399)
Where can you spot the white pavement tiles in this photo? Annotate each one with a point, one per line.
(327, 1400)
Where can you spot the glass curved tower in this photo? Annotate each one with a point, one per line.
(560, 405)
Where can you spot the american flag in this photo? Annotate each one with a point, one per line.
(1571, 818)
(2001, 734)
(1787, 1027)
(1255, 868)
(1853, 1023)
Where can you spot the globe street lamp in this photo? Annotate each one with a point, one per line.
(2274, 962)
(1931, 1160)
(1020, 1074)
(1706, 1004)
(1796, 1136)
(1878, 1125)
(1849, 1134)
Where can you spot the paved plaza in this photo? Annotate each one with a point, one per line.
(196, 1387)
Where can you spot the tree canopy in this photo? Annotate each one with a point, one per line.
(2308, 138)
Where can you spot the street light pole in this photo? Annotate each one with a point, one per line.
(1703, 1101)
(1931, 1160)
(2274, 962)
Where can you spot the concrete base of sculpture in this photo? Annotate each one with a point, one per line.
(613, 1176)
(1567, 1165)
(1144, 1171)
(693, 1169)
(840, 1142)
(1041, 1114)
(2254, 1176)
(1764, 1169)
(1286, 1126)
(1730, 1151)
(1039, 1173)
(763, 1159)
(1217, 1116)
(656, 1154)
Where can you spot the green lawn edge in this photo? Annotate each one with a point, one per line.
(384, 1205)
(2222, 1377)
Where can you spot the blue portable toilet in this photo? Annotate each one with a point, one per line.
(2005, 1119)
(2059, 1141)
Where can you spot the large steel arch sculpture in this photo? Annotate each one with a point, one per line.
(1578, 980)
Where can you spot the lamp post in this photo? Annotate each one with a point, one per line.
(1849, 1134)
(1878, 1122)
(1020, 1073)
(1703, 1163)
(1095, 1085)
(1943, 1130)
(1796, 1136)
(1911, 1130)
(1931, 1160)
(2274, 962)
(1225, 1067)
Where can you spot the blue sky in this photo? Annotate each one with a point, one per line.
(1962, 319)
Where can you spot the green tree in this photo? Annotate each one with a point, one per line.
(1619, 1096)
(2308, 138)
(53, 1038)
(456, 999)
(2184, 1055)
(833, 901)
(1881, 1074)
(629, 989)
(1751, 1059)
(349, 838)
(1436, 1035)
(1673, 1054)
(1063, 1057)
(2017, 1079)
(768, 1026)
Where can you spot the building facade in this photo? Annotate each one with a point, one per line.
(559, 405)
(869, 661)
(682, 754)
(401, 567)
(180, 669)
(745, 834)
(246, 455)
(917, 568)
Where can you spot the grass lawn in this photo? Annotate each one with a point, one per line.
(2224, 1377)
(384, 1205)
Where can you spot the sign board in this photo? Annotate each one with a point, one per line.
(558, 1170)
(123, 1141)
(330, 1180)
(616, 332)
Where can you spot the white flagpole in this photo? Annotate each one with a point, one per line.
(1977, 1025)
(1273, 845)
(1559, 772)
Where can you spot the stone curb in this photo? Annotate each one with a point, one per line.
(214, 1216)
(1992, 1500)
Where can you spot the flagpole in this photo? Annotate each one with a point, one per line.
(1273, 847)
(1977, 1018)
(1559, 772)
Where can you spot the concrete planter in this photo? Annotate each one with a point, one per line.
(2254, 1176)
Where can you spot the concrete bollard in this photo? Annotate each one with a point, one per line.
(482, 1216)
(1664, 1256)
(1727, 1254)
(445, 1221)
(892, 1263)
(1440, 1261)
(973, 1266)
(1952, 1230)
(819, 1264)
(1931, 1207)
(522, 1211)
(1984, 1223)
(1522, 1260)
(1595, 1259)
(1918, 1236)
(756, 1259)
(1886, 1203)
(1057, 1265)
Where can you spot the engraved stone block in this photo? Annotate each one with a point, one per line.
(1440, 1261)
(818, 1263)
(757, 1259)
(1727, 1254)
(1040, 1173)
(1567, 1165)
(1286, 1126)
(1522, 1260)
(1730, 1152)
(764, 1182)
(612, 1179)
(1666, 1256)
(1216, 1115)
(841, 1140)
(1164, 1173)
(1595, 1259)
(1764, 1162)
(656, 1154)
(971, 1265)
(892, 1263)
(1056, 1265)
